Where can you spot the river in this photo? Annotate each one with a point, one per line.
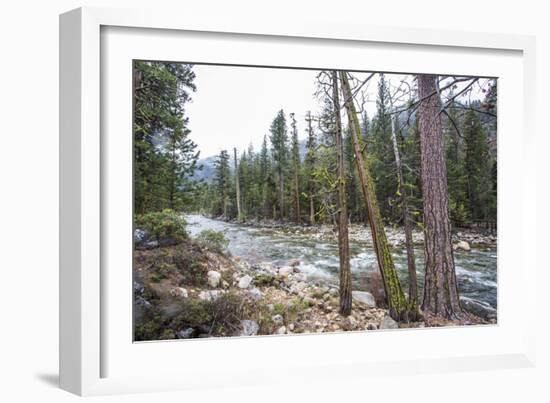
(476, 270)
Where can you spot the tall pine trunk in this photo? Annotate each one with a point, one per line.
(341, 206)
(440, 287)
(397, 302)
(237, 190)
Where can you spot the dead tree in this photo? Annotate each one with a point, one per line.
(407, 222)
(237, 187)
(341, 206)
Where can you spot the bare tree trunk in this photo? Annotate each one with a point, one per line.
(341, 206)
(297, 194)
(397, 302)
(311, 202)
(281, 193)
(401, 188)
(440, 287)
(238, 190)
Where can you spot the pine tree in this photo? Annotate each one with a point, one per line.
(477, 168)
(279, 142)
(165, 157)
(222, 183)
(440, 286)
(381, 151)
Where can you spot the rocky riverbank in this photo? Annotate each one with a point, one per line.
(463, 239)
(220, 295)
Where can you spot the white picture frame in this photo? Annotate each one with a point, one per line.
(87, 318)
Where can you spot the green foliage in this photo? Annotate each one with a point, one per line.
(164, 155)
(188, 261)
(213, 240)
(163, 225)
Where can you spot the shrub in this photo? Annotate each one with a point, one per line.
(213, 240)
(188, 261)
(165, 225)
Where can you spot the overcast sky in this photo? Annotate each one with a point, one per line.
(234, 106)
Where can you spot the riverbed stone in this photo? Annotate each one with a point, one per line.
(388, 323)
(462, 245)
(245, 281)
(249, 328)
(364, 297)
(479, 308)
(214, 278)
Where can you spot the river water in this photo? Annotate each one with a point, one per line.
(476, 270)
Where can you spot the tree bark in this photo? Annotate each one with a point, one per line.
(341, 206)
(397, 302)
(440, 287)
(238, 190)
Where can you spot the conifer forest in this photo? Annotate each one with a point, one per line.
(284, 201)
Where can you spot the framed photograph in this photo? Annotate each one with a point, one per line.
(237, 197)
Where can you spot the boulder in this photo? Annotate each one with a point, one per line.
(388, 323)
(245, 281)
(210, 295)
(478, 308)
(293, 263)
(214, 278)
(463, 245)
(364, 297)
(250, 328)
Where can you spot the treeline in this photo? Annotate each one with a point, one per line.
(281, 181)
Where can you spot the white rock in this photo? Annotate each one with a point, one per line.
(214, 278)
(388, 323)
(462, 245)
(285, 271)
(291, 327)
(245, 281)
(250, 328)
(365, 297)
(210, 295)
(179, 292)
(281, 330)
